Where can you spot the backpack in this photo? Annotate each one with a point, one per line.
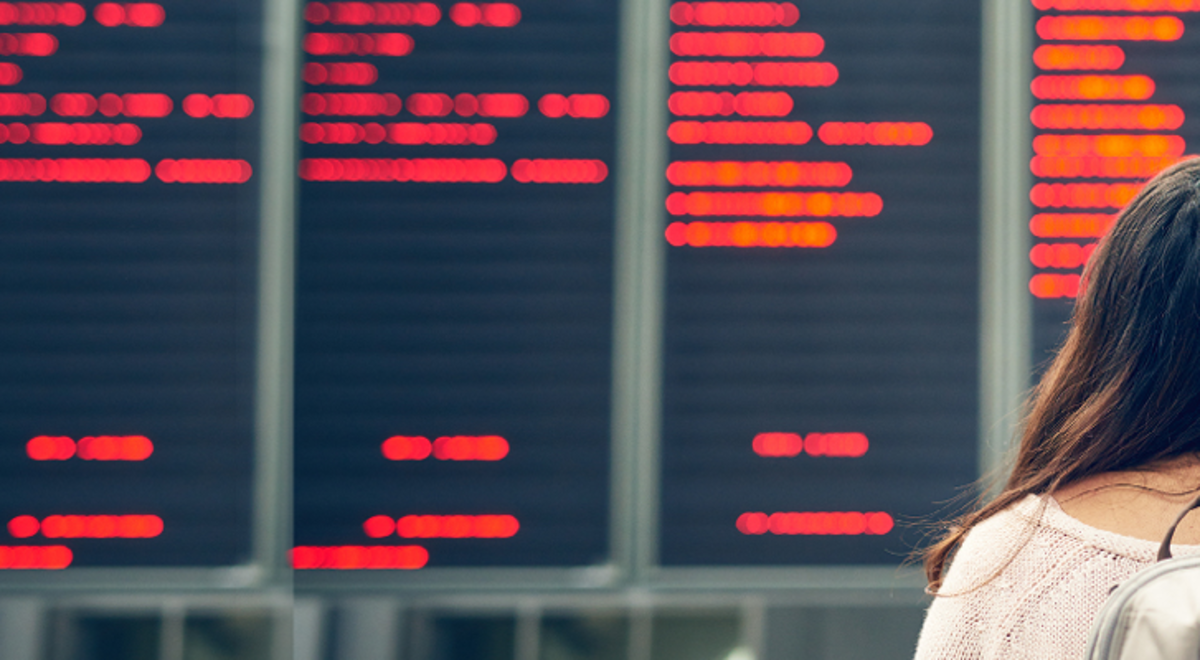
(1154, 615)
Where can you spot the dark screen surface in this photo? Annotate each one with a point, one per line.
(1113, 96)
(128, 141)
(455, 285)
(822, 279)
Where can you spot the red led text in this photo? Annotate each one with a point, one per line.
(832, 523)
(358, 557)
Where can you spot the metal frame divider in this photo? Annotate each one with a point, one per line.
(22, 621)
(640, 285)
(1005, 311)
(307, 636)
(753, 633)
(171, 630)
(641, 630)
(277, 275)
(527, 637)
(274, 394)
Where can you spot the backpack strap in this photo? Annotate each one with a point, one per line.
(1164, 550)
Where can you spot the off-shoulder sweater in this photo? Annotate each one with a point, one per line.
(1027, 583)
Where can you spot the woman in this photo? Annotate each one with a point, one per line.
(1109, 455)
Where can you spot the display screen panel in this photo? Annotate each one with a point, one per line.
(821, 329)
(455, 277)
(128, 209)
(1113, 91)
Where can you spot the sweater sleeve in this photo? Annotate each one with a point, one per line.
(954, 623)
(950, 631)
(978, 593)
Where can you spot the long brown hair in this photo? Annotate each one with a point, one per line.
(1123, 391)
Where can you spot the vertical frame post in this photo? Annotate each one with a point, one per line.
(276, 288)
(172, 624)
(639, 285)
(306, 633)
(527, 643)
(1005, 310)
(23, 628)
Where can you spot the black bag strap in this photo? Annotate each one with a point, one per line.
(1164, 550)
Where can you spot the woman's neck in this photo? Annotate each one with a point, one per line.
(1140, 503)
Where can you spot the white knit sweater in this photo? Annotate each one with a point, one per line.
(1041, 603)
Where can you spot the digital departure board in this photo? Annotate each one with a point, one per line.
(1113, 88)
(820, 380)
(128, 212)
(457, 220)
(454, 304)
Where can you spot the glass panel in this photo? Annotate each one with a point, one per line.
(811, 633)
(697, 637)
(128, 268)
(584, 637)
(236, 637)
(114, 638)
(454, 308)
(484, 638)
(821, 325)
(1078, 191)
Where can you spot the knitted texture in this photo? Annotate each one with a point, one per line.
(1027, 583)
